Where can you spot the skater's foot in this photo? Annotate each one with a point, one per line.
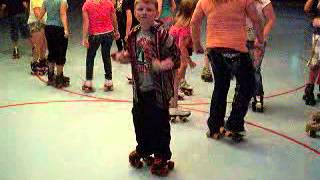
(108, 85)
(178, 114)
(62, 81)
(87, 87)
(15, 54)
(161, 167)
(186, 88)
(215, 135)
(135, 159)
(235, 136)
(206, 75)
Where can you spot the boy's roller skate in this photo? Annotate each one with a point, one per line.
(161, 167)
(313, 125)
(136, 160)
(186, 88)
(61, 81)
(178, 114)
(15, 54)
(108, 85)
(235, 136)
(206, 75)
(308, 95)
(257, 104)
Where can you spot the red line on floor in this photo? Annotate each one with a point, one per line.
(290, 139)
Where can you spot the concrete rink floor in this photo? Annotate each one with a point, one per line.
(63, 134)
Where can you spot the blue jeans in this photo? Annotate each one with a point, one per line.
(94, 43)
(225, 64)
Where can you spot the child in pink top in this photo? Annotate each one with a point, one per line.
(182, 35)
(99, 28)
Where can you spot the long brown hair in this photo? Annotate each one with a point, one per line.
(186, 9)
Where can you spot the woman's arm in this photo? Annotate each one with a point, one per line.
(85, 28)
(270, 20)
(160, 6)
(256, 22)
(64, 17)
(195, 24)
(173, 6)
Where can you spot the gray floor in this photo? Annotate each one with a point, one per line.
(48, 133)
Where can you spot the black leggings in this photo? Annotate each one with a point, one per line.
(57, 44)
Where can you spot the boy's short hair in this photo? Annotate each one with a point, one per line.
(155, 2)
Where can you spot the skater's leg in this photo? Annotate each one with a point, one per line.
(245, 78)
(94, 43)
(220, 92)
(106, 43)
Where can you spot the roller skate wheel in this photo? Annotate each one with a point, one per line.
(170, 165)
(184, 119)
(149, 160)
(173, 119)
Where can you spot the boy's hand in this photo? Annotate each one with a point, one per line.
(85, 42)
(162, 65)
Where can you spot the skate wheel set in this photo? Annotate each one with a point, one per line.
(176, 118)
(87, 89)
(157, 166)
(187, 92)
(107, 88)
(236, 137)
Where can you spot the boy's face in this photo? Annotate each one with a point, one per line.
(145, 13)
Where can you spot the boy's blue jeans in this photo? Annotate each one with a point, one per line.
(105, 40)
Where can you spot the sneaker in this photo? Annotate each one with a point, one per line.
(108, 85)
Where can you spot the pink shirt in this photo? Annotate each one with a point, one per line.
(226, 23)
(180, 33)
(100, 16)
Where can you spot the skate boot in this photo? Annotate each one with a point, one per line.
(235, 136)
(15, 54)
(206, 75)
(51, 79)
(108, 85)
(186, 88)
(34, 67)
(257, 104)
(308, 95)
(178, 114)
(135, 160)
(61, 81)
(87, 88)
(180, 95)
(215, 136)
(313, 125)
(161, 167)
(43, 67)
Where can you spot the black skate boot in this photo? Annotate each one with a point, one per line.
(308, 95)
(51, 79)
(206, 75)
(15, 54)
(43, 67)
(34, 67)
(62, 81)
(161, 167)
(257, 104)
